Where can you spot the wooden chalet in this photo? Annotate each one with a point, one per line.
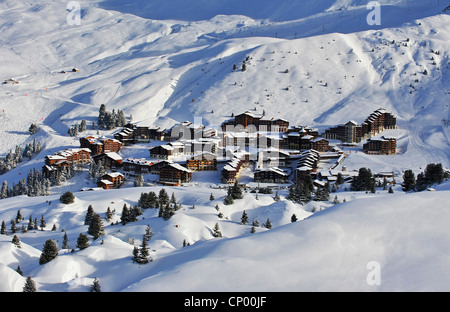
(156, 167)
(174, 174)
(271, 175)
(204, 161)
(137, 166)
(232, 168)
(351, 132)
(111, 180)
(71, 156)
(110, 160)
(380, 146)
(307, 164)
(98, 145)
(320, 145)
(257, 121)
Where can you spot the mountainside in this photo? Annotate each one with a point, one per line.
(313, 63)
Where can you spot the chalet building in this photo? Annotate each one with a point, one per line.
(351, 132)
(271, 175)
(111, 180)
(307, 164)
(156, 167)
(299, 138)
(126, 135)
(110, 160)
(196, 146)
(132, 134)
(233, 167)
(381, 146)
(378, 121)
(167, 151)
(259, 123)
(330, 176)
(320, 145)
(136, 166)
(71, 156)
(272, 157)
(175, 174)
(100, 145)
(185, 131)
(202, 162)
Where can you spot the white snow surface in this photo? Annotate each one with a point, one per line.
(164, 65)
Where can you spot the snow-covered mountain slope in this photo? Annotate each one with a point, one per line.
(330, 250)
(169, 61)
(167, 71)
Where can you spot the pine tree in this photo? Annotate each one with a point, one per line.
(4, 191)
(125, 217)
(18, 270)
(67, 198)
(294, 218)
(173, 200)
(95, 287)
(82, 241)
(268, 224)
(163, 197)
(168, 212)
(228, 200)
(144, 252)
(16, 241)
(211, 197)
(14, 228)
(89, 215)
(216, 231)
(236, 191)
(244, 218)
(65, 242)
(108, 214)
(3, 230)
(30, 285)
(340, 179)
(148, 233)
(42, 224)
(276, 197)
(135, 253)
(96, 228)
(49, 252)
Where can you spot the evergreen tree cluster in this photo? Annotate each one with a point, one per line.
(148, 200)
(36, 184)
(77, 128)
(234, 192)
(433, 174)
(33, 129)
(130, 214)
(303, 192)
(17, 224)
(110, 120)
(365, 181)
(142, 255)
(11, 159)
(96, 170)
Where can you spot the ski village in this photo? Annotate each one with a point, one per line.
(160, 146)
